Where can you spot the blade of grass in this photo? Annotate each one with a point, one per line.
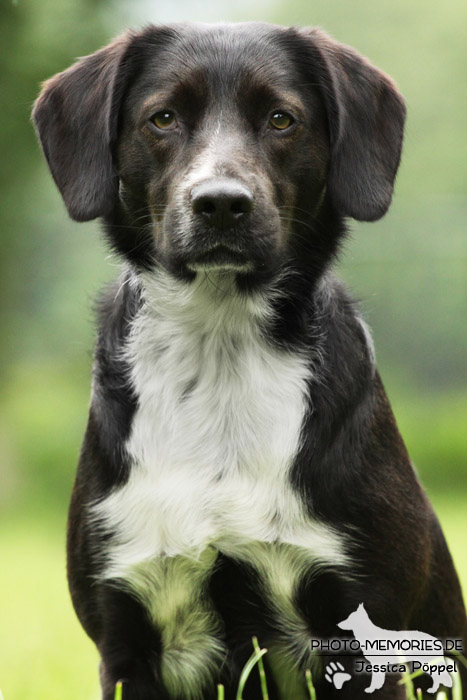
(262, 674)
(119, 691)
(252, 661)
(220, 692)
(309, 684)
(407, 681)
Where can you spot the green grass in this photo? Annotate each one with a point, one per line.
(44, 654)
(256, 659)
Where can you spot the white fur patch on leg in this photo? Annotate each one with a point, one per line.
(173, 591)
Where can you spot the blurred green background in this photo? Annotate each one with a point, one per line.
(408, 270)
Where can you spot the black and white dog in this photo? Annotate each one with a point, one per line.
(242, 473)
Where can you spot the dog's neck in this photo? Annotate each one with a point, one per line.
(211, 303)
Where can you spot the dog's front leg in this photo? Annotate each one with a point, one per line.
(130, 648)
(161, 632)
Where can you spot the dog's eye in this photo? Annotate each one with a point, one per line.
(281, 121)
(165, 119)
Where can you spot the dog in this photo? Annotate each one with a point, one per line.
(242, 472)
(404, 646)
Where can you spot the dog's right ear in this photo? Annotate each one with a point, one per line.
(76, 119)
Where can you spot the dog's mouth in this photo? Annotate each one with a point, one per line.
(220, 258)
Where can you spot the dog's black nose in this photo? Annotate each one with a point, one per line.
(222, 202)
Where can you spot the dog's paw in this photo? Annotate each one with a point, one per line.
(336, 674)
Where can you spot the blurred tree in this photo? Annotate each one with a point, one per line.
(38, 39)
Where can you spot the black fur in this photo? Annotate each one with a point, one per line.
(338, 159)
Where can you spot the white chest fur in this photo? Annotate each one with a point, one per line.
(218, 424)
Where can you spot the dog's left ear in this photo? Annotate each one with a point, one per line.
(366, 115)
(76, 119)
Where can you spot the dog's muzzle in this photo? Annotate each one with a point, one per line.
(221, 207)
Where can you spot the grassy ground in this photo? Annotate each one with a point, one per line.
(44, 654)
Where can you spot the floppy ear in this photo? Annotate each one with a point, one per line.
(366, 115)
(76, 119)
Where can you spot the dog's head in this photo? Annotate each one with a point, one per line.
(218, 146)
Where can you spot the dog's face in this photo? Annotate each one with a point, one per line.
(218, 146)
(221, 141)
